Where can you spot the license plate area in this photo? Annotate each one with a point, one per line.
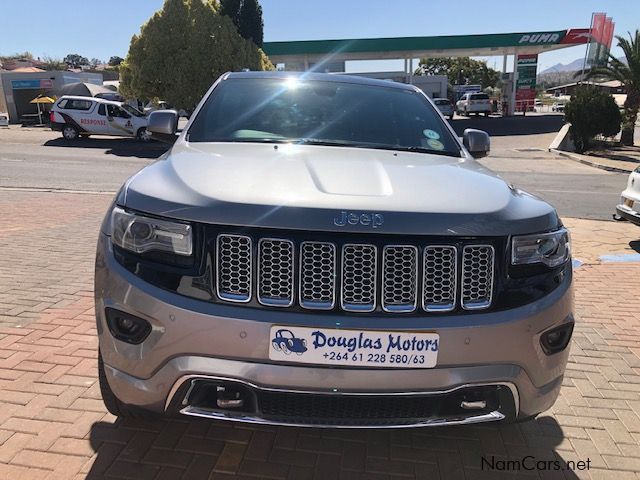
(354, 348)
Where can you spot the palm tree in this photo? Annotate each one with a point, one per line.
(629, 76)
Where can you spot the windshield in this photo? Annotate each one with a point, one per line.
(133, 111)
(321, 112)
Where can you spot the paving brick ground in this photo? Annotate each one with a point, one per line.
(53, 424)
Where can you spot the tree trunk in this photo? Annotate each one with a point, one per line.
(626, 137)
(631, 107)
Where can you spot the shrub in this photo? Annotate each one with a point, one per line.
(591, 112)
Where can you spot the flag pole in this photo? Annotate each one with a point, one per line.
(586, 51)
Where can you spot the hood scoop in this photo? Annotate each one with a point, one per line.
(360, 178)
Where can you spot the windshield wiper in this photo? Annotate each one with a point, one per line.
(425, 150)
(378, 146)
(341, 143)
(251, 140)
(327, 143)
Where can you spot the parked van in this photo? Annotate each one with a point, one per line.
(84, 116)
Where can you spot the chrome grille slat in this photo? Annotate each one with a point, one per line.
(400, 278)
(234, 260)
(317, 275)
(359, 262)
(439, 272)
(275, 272)
(477, 276)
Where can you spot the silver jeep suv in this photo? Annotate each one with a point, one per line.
(322, 250)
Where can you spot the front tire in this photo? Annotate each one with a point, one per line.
(69, 132)
(113, 404)
(143, 135)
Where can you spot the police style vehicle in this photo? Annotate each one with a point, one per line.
(83, 116)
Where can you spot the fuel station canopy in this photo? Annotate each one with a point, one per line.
(315, 51)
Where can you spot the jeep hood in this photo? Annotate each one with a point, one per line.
(307, 186)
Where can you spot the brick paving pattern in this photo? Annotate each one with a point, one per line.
(53, 424)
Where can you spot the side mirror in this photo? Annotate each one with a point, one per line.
(477, 142)
(163, 125)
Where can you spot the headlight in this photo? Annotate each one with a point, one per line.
(141, 234)
(551, 249)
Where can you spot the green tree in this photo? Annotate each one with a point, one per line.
(18, 56)
(115, 60)
(629, 76)
(182, 50)
(231, 9)
(247, 17)
(591, 112)
(73, 60)
(49, 63)
(251, 24)
(460, 71)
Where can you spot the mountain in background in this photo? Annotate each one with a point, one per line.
(562, 67)
(570, 67)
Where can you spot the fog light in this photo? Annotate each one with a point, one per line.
(127, 327)
(126, 324)
(556, 339)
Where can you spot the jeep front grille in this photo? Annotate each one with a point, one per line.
(234, 268)
(358, 277)
(477, 276)
(439, 273)
(317, 275)
(400, 278)
(275, 272)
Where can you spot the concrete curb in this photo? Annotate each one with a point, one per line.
(590, 163)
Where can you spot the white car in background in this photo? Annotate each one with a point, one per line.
(153, 106)
(4, 120)
(629, 208)
(83, 116)
(445, 106)
(474, 102)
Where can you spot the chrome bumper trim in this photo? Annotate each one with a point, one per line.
(199, 412)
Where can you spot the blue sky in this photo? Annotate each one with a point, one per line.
(99, 29)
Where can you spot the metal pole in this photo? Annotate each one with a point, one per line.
(504, 63)
(411, 71)
(512, 102)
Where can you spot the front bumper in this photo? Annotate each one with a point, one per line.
(628, 213)
(192, 339)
